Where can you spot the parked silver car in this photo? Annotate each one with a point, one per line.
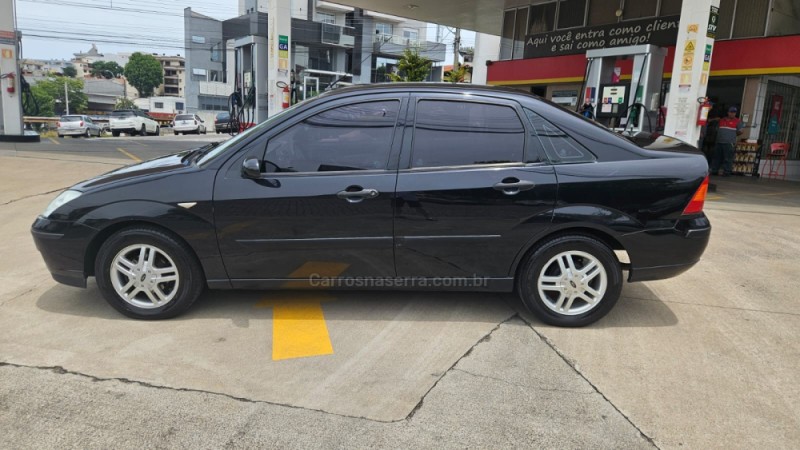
(77, 125)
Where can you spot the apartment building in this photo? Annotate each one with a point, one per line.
(174, 75)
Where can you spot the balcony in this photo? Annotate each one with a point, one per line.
(385, 44)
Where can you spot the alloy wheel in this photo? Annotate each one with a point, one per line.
(144, 276)
(572, 283)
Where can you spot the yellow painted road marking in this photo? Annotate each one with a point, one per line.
(715, 197)
(298, 323)
(55, 141)
(129, 154)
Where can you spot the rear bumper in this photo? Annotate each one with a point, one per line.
(666, 253)
(186, 129)
(62, 247)
(71, 131)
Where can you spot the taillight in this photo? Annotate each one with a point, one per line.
(695, 206)
(58, 124)
(81, 124)
(195, 122)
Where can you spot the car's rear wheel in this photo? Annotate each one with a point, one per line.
(143, 131)
(570, 281)
(146, 273)
(115, 133)
(158, 131)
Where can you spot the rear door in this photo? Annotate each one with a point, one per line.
(472, 188)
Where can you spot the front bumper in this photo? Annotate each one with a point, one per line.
(63, 248)
(666, 253)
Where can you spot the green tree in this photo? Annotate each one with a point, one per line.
(412, 67)
(458, 75)
(49, 94)
(144, 72)
(102, 69)
(125, 103)
(69, 71)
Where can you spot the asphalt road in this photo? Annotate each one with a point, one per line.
(706, 360)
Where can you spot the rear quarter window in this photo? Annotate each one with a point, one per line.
(559, 147)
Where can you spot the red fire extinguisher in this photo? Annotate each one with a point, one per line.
(9, 77)
(287, 96)
(702, 113)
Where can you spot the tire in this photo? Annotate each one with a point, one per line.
(115, 133)
(61, 136)
(176, 133)
(171, 255)
(88, 133)
(158, 131)
(543, 261)
(143, 131)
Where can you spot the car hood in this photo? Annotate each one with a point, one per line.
(159, 166)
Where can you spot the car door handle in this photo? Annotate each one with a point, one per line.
(513, 186)
(355, 196)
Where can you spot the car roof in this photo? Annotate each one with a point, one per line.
(427, 87)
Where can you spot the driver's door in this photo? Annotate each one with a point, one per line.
(323, 202)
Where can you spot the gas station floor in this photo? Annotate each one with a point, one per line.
(707, 359)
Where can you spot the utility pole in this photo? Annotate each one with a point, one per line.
(66, 95)
(456, 48)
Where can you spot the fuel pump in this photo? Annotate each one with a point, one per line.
(627, 106)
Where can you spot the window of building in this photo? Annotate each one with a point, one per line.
(507, 38)
(603, 12)
(751, 18)
(158, 105)
(211, 103)
(726, 10)
(411, 34)
(179, 106)
(350, 137)
(455, 133)
(383, 28)
(198, 40)
(571, 13)
(542, 18)
(326, 17)
(640, 9)
(559, 147)
(520, 28)
(216, 52)
(671, 7)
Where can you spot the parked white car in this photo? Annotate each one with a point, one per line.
(77, 125)
(188, 123)
(133, 122)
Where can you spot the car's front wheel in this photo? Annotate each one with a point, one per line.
(147, 273)
(570, 281)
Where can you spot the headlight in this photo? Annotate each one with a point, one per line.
(62, 199)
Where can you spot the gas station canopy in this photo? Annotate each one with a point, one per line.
(483, 16)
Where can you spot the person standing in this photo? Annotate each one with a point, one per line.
(729, 129)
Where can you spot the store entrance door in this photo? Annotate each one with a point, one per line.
(781, 118)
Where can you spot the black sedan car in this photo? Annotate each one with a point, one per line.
(402, 186)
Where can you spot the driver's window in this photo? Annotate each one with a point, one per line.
(350, 137)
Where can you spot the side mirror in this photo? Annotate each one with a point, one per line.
(251, 168)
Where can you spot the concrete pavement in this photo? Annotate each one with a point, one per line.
(704, 360)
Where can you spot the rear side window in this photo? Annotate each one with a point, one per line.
(559, 147)
(457, 133)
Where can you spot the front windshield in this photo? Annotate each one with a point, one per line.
(223, 147)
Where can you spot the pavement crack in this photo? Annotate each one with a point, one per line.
(520, 385)
(574, 367)
(31, 196)
(487, 337)
(62, 371)
(28, 291)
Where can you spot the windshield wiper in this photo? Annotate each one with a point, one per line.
(199, 152)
